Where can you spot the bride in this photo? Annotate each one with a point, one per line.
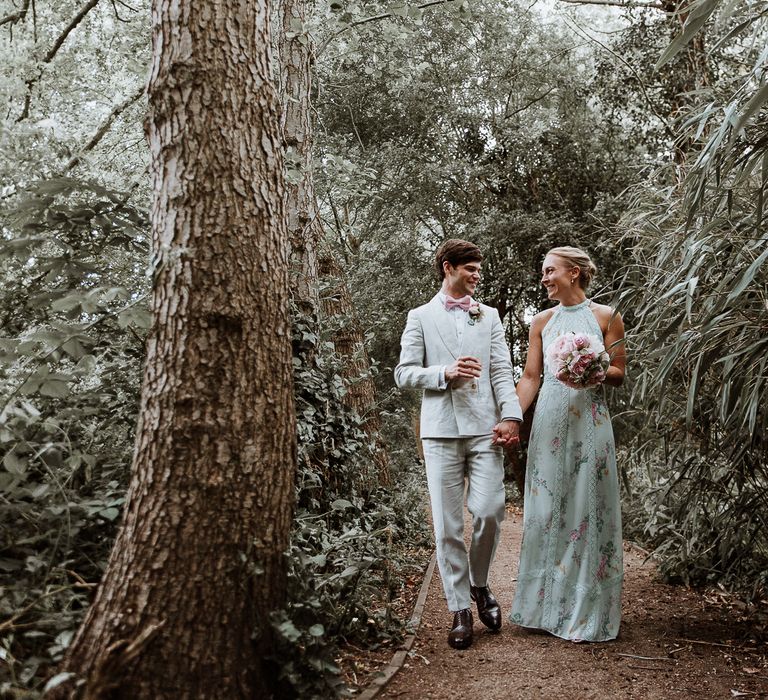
(570, 574)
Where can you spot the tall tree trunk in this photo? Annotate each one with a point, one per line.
(306, 230)
(349, 342)
(183, 609)
(691, 73)
(304, 225)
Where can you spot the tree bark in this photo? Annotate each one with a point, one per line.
(349, 343)
(306, 232)
(304, 225)
(183, 609)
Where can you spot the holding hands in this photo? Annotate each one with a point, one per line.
(506, 433)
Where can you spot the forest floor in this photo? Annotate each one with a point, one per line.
(674, 643)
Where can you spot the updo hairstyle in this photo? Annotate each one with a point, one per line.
(576, 257)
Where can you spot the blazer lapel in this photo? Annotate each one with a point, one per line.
(446, 326)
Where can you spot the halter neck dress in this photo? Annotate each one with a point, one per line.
(570, 575)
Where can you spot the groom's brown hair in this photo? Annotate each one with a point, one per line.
(456, 252)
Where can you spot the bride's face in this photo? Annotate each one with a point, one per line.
(557, 277)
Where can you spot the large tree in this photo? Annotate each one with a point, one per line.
(183, 608)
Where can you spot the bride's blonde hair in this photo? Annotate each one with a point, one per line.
(576, 257)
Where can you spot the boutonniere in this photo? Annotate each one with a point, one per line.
(475, 313)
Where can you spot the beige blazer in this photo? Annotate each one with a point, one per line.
(465, 407)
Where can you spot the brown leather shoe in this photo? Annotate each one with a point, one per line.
(488, 609)
(460, 636)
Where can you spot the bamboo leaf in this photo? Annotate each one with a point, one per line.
(758, 100)
(696, 20)
(693, 388)
(748, 276)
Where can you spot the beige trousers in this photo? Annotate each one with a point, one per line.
(449, 461)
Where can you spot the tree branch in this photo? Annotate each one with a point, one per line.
(667, 127)
(17, 16)
(531, 102)
(104, 128)
(117, 14)
(618, 3)
(376, 18)
(49, 56)
(84, 10)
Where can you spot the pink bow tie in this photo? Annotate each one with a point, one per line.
(464, 303)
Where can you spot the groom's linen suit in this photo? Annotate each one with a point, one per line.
(457, 421)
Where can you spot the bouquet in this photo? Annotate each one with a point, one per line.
(578, 360)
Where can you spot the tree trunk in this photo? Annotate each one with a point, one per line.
(183, 609)
(306, 231)
(691, 74)
(349, 342)
(304, 225)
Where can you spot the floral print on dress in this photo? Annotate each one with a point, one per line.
(579, 533)
(570, 575)
(579, 459)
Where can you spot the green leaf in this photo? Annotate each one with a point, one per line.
(317, 630)
(756, 102)
(67, 303)
(138, 317)
(748, 276)
(14, 464)
(289, 631)
(696, 19)
(54, 388)
(693, 389)
(57, 680)
(341, 504)
(109, 513)
(73, 348)
(350, 571)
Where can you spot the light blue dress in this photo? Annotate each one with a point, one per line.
(570, 575)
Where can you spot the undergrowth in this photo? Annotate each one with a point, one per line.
(72, 264)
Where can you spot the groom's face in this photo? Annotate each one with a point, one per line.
(462, 279)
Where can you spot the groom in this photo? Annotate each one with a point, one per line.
(454, 349)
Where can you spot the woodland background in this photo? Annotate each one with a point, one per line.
(637, 132)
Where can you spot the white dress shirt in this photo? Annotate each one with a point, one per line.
(460, 318)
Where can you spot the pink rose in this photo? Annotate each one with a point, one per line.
(580, 341)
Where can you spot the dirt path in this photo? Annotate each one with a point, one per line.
(699, 648)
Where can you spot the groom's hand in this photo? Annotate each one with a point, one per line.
(464, 368)
(506, 433)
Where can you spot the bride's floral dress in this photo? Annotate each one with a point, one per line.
(570, 575)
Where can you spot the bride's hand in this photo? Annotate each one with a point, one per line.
(506, 433)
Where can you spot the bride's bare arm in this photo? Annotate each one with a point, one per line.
(616, 347)
(534, 363)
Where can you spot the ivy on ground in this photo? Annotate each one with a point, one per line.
(73, 266)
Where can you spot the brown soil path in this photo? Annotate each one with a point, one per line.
(696, 647)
